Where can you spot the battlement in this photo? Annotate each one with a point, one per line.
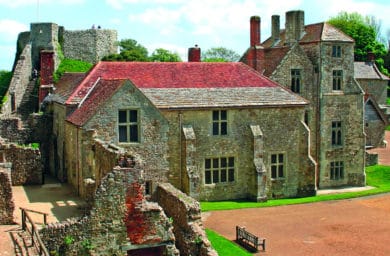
(89, 45)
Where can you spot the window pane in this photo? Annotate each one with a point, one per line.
(223, 175)
(133, 116)
(215, 176)
(273, 171)
(207, 177)
(215, 128)
(280, 174)
(223, 115)
(273, 159)
(231, 161)
(223, 162)
(215, 162)
(215, 115)
(231, 175)
(134, 133)
(122, 134)
(223, 128)
(122, 116)
(207, 163)
(280, 158)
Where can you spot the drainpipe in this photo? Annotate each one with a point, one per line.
(181, 149)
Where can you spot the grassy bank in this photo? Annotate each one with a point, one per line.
(377, 176)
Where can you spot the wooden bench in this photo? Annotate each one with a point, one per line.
(248, 240)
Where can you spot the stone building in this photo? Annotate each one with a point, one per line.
(316, 61)
(214, 130)
(374, 84)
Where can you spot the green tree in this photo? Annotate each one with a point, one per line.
(163, 55)
(5, 79)
(130, 50)
(220, 54)
(366, 33)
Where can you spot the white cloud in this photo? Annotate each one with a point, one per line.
(9, 29)
(7, 57)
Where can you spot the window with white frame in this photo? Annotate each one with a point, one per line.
(219, 122)
(219, 170)
(277, 166)
(336, 51)
(337, 80)
(336, 133)
(128, 125)
(337, 170)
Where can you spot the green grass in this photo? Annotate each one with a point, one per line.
(69, 65)
(377, 176)
(223, 246)
(5, 79)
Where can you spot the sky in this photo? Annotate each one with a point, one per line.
(174, 25)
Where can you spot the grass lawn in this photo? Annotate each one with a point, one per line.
(378, 176)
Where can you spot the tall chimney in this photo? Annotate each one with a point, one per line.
(255, 30)
(295, 26)
(194, 54)
(275, 33)
(370, 57)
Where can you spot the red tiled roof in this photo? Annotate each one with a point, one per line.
(67, 84)
(273, 57)
(173, 75)
(103, 90)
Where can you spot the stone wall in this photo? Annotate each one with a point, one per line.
(7, 205)
(185, 212)
(121, 222)
(12, 129)
(371, 158)
(26, 164)
(89, 45)
(20, 79)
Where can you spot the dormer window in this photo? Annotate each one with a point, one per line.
(336, 51)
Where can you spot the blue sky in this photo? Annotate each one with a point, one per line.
(172, 24)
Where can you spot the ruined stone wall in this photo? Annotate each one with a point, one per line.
(185, 213)
(89, 45)
(12, 129)
(26, 165)
(20, 79)
(120, 222)
(7, 205)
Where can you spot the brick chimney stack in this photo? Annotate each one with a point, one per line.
(370, 57)
(295, 26)
(275, 29)
(255, 30)
(194, 54)
(46, 73)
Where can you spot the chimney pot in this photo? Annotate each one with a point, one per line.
(295, 26)
(370, 57)
(194, 54)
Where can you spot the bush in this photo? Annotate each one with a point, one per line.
(69, 65)
(5, 80)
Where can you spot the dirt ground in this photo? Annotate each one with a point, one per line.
(346, 227)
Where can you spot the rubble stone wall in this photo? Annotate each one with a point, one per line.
(185, 213)
(7, 205)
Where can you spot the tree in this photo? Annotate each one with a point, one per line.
(220, 54)
(130, 50)
(366, 33)
(163, 55)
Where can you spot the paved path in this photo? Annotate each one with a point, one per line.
(56, 199)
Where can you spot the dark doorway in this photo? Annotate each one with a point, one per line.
(152, 251)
